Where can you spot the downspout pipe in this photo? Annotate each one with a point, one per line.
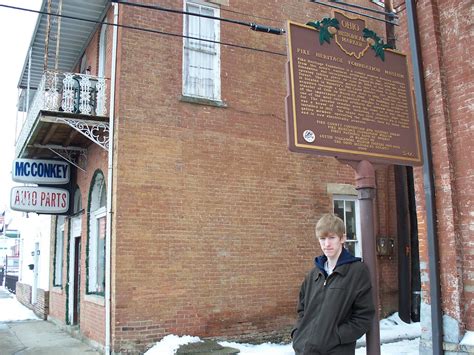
(108, 249)
(428, 180)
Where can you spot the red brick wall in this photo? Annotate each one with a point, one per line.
(57, 299)
(446, 47)
(214, 216)
(92, 316)
(41, 307)
(387, 227)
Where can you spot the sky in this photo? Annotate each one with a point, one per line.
(16, 29)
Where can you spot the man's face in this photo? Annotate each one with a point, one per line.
(331, 245)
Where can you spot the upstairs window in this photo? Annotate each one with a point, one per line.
(201, 59)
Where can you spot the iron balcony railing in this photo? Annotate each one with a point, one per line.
(65, 92)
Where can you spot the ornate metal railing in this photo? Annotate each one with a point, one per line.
(65, 92)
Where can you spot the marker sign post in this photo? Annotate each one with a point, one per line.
(349, 98)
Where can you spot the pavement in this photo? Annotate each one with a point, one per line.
(38, 337)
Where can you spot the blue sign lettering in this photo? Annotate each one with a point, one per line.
(41, 171)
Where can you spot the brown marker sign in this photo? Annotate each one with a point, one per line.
(345, 102)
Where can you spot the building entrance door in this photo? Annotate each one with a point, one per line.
(77, 281)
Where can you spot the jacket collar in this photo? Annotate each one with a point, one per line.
(344, 259)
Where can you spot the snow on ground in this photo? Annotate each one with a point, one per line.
(404, 347)
(397, 337)
(170, 343)
(468, 339)
(393, 329)
(12, 310)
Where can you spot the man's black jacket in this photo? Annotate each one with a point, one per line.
(334, 311)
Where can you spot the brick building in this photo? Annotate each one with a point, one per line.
(446, 49)
(209, 217)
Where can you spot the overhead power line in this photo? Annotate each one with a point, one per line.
(320, 2)
(148, 30)
(252, 25)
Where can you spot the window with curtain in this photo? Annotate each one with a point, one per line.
(201, 62)
(59, 251)
(97, 233)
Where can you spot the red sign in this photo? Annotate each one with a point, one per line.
(39, 199)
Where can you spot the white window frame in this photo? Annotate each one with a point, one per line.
(358, 241)
(58, 253)
(188, 91)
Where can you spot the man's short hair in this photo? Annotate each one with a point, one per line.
(330, 224)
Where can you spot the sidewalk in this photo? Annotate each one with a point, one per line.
(21, 332)
(34, 336)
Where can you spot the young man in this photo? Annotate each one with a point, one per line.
(335, 305)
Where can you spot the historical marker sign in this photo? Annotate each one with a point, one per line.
(346, 102)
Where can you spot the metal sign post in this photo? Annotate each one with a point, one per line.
(365, 186)
(349, 97)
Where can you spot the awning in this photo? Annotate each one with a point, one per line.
(74, 37)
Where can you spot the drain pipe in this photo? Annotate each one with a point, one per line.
(428, 181)
(108, 248)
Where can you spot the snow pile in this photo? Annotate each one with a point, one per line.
(468, 339)
(170, 343)
(393, 329)
(397, 337)
(261, 349)
(404, 347)
(11, 310)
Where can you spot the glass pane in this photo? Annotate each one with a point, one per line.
(103, 196)
(101, 255)
(77, 201)
(350, 220)
(350, 247)
(339, 208)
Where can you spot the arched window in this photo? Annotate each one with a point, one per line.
(96, 232)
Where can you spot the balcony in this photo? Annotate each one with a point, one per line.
(66, 115)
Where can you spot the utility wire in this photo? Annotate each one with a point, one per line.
(149, 30)
(252, 25)
(250, 15)
(364, 8)
(351, 11)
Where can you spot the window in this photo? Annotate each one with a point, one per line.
(347, 208)
(77, 201)
(96, 245)
(201, 60)
(58, 252)
(102, 50)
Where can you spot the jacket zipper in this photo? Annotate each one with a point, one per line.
(326, 281)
